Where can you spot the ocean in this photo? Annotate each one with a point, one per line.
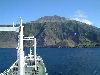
(60, 61)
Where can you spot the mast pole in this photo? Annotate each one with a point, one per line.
(21, 52)
(35, 53)
(13, 24)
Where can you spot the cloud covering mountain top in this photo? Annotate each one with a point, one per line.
(80, 16)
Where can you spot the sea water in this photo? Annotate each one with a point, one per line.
(60, 61)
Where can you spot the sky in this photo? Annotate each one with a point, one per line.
(29, 10)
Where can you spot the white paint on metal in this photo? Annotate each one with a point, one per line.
(21, 52)
(28, 39)
(9, 29)
(13, 24)
(35, 53)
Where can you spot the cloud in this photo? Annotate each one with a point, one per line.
(80, 16)
(80, 13)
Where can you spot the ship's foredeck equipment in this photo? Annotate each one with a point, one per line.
(25, 65)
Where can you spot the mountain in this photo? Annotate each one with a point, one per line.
(56, 31)
(54, 18)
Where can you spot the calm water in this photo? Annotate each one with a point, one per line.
(61, 61)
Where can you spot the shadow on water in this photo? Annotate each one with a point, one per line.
(60, 61)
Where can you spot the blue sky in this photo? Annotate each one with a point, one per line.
(11, 10)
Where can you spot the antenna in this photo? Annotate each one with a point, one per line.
(20, 21)
(13, 24)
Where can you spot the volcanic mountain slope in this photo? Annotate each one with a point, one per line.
(56, 31)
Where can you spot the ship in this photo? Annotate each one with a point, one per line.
(32, 64)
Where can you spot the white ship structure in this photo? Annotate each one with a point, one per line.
(25, 65)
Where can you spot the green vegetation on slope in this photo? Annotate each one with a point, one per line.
(55, 31)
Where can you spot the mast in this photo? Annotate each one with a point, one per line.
(20, 50)
(35, 53)
(13, 24)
